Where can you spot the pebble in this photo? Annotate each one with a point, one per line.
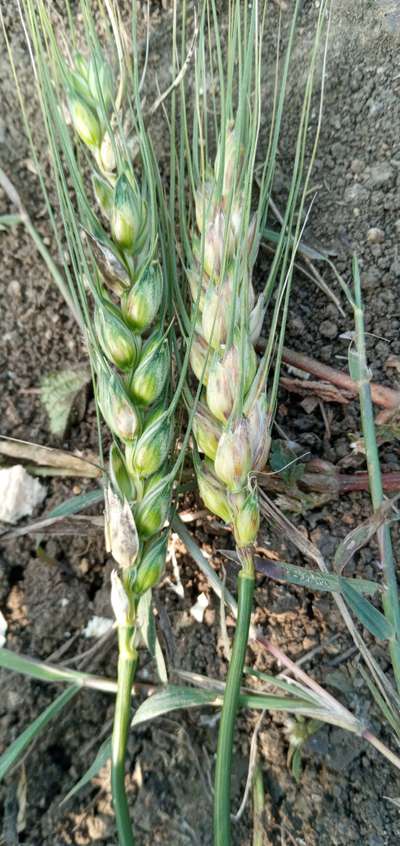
(84, 566)
(376, 250)
(376, 107)
(371, 279)
(328, 329)
(337, 150)
(375, 235)
(380, 174)
(309, 643)
(14, 290)
(356, 81)
(357, 166)
(395, 268)
(209, 616)
(97, 827)
(356, 194)
(297, 325)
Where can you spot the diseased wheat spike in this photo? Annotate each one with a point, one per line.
(132, 358)
(230, 425)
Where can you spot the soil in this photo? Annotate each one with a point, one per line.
(50, 589)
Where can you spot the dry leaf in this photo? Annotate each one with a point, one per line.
(47, 457)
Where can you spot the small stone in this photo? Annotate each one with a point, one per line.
(297, 325)
(371, 279)
(14, 290)
(19, 493)
(380, 174)
(356, 80)
(375, 235)
(376, 107)
(97, 828)
(337, 150)
(13, 700)
(357, 166)
(209, 616)
(84, 566)
(309, 643)
(355, 194)
(395, 268)
(328, 329)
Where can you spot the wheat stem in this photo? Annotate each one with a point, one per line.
(127, 662)
(223, 769)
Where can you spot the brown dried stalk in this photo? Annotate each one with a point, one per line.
(382, 396)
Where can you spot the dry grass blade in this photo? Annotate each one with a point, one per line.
(381, 395)
(293, 535)
(323, 390)
(47, 457)
(310, 550)
(251, 769)
(77, 524)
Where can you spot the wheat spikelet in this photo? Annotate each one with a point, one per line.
(131, 352)
(230, 425)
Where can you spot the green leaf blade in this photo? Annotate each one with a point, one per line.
(76, 504)
(367, 614)
(102, 756)
(11, 756)
(148, 631)
(314, 580)
(173, 698)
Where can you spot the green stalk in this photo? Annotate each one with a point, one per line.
(127, 661)
(222, 785)
(390, 596)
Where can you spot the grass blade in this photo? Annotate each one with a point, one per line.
(76, 504)
(367, 614)
(102, 756)
(313, 579)
(360, 372)
(147, 627)
(10, 757)
(48, 673)
(173, 698)
(388, 712)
